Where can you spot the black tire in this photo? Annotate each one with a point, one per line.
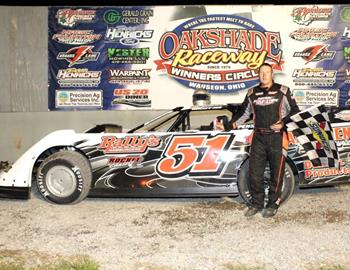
(288, 186)
(64, 177)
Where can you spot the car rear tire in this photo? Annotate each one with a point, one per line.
(288, 186)
(64, 177)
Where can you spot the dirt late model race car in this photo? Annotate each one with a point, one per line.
(177, 154)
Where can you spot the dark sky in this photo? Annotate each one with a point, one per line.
(160, 2)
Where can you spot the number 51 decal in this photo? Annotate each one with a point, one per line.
(194, 155)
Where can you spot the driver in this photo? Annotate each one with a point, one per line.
(271, 105)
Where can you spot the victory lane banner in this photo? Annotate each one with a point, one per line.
(119, 58)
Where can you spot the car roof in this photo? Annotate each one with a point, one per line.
(228, 106)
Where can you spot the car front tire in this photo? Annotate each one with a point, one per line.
(64, 177)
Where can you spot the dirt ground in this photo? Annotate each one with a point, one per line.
(310, 230)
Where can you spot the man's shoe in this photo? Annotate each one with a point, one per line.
(269, 212)
(251, 211)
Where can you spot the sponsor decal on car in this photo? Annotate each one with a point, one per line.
(128, 76)
(194, 155)
(310, 97)
(128, 56)
(314, 77)
(78, 77)
(132, 97)
(78, 98)
(315, 53)
(70, 17)
(306, 15)
(128, 36)
(76, 37)
(136, 144)
(312, 172)
(313, 34)
(78, 55)
(128, 16)
(124, 161)
(200, 57)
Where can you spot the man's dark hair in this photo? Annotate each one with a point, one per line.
(266, 65)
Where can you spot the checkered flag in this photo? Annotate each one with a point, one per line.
(313, 131)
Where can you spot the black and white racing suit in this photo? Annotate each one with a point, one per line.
(268, 106)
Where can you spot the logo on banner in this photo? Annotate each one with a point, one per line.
(128, 37)
(111, 16)
(71, 17)
(128, 56)
(347, 76)
(346, 33)
(314, 77)
(76, 37)
(315, 53)
(78, 55)
(124, 76)
(346, 51)
(305, 15)
(78, 77)
(132, 97)
(310, 97)
(345, 14)
(313, 34)
(219, 53)
(128, 16)
(78, 98)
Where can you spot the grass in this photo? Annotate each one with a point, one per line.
(31, 260)
(335, 267)
(34, 260)
(230, 266)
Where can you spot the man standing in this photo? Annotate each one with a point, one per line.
(271, 105)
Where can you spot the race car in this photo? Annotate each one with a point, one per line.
(177, 154)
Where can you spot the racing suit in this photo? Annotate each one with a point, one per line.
(268, 106)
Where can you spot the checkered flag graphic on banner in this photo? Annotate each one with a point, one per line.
(312, 129)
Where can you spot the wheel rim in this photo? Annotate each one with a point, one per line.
(61, 181)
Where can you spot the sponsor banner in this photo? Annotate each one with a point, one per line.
(71, 17)
(315, 53)
(306, 15)
(128, 36)
(128, 56)
(76, 37)
(313, 34)
(310, 97)
(212, 47)
(347, 77)
(127, 76)
(132, 97)
(78, 55)
(79, 98)
(78, 77)
(314, 77)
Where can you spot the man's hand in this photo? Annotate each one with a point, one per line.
(219, 125)
(277, 126)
